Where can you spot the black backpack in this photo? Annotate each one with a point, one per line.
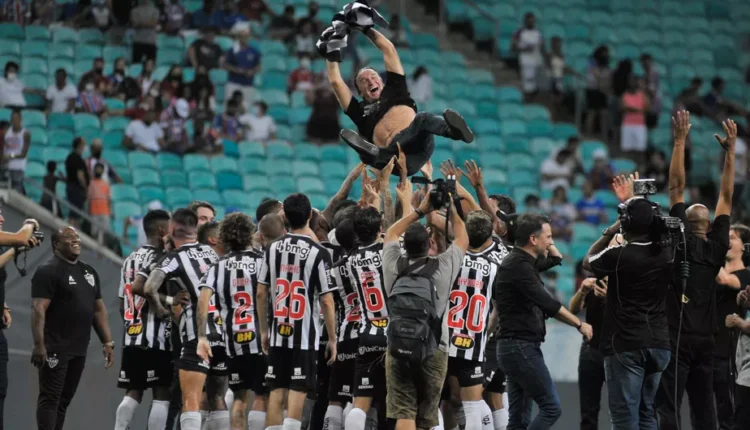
(415, 327)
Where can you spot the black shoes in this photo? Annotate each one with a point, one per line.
(460, 129)
(362, 146)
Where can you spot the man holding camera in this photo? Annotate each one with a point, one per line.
(691, 304)
(634, 338)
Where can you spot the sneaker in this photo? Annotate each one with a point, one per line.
(362, 146)
(461, 130)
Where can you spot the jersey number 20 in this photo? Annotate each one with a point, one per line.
(474, 321)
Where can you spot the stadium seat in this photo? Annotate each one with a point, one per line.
(145, 176)
(168, 161)
(227, 180)
(540, 128)
(112, 139)
(199, 179)
(126, 209)
(302, 168)
(173, 178)
(517, 145)
(512, 128)
(277, 149)
(88, 53)
(310, 185)
(60, 138)
(141, 159)
(208, 195)
(252, 165)
(150, 193)
(522, 178)
(509, 95)
(231, 149)
(307, 152)
(115, 123)
(588, 148)
(38, 137)
(233, 197)
(60, 121)
(35, 32)
(64, 35)
(252, 149)
(333, 170)
(564, 130)
(35, 50)
(118, 159)
(32, 118)
(585, 232)
(83, 121)
(256, 183)
(178, 196)
(223, 164)
(11, 31)
(299, 116)
(194, 162)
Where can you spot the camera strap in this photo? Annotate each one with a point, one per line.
(21, 270)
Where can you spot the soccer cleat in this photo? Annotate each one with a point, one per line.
(460, 129)
(362, 146)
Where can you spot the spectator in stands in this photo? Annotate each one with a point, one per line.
(396, 32)
(741, 175)
(528, 43)
(204, 139)
(557, 71)
(621, 77)
(283, 27)
(137, 222)
(531, 203)
(145, 20)
(574, 162)
(12, 87)
(77, 180)
(557, 170)
(598, 88)
(205, 52)
(258, 125)
(716, 105)
(117, 79)
(172, 17)
(144, 135)
(44, 12)
(96, 158)
(239, 101)
(100, 199)
(420, 85)
(253, 10)
(653, 90)
(173, 83)
(591, 208)
(202, 98)
(601, 173)
(302, 78)
(16, 11)
(203, 17)
(101, 14)
(61, 96)
(173, 122)
(145, 79)
(16, 143)
(49, 183)
(91, 99)
(323, 125)
(304, 41)
(228, 16)
(312, 18)
(657, 168)
(561, 213)
(634, 103)
(226, 125)
(96, 75)
(242, 63)
(689, 99)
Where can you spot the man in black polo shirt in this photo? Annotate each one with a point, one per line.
(66, 303)
(522, 306)
(692, 312)
(387, 115)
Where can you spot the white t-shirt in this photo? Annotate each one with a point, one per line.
(530, 38)
(551, 167)
(14, 146)
(421, 88)
(258, 128)
(146, 137)
(60, 98)
(11, 93)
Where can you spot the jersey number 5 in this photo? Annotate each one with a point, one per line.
(474, 321)
(295, 292)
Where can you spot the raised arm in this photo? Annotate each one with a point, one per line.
(342, 91)
(383, 178)
(343, 192)
(474, 174)
(680, 129)
(726, 190)
(390, 54)
(577, 302)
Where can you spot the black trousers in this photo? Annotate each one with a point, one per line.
(742, 407)
(694, 375)
(175, 402)
(591, 378)
(723, 386)
(58, 381)
(142, 51)
(3, 375)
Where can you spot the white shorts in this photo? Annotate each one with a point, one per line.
(633, 137)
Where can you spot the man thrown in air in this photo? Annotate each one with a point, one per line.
(387, 114)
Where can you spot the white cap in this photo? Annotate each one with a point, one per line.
(240, 28)
(154, 205)
(599, 154)
(182, 108)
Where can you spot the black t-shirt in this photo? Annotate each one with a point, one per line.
(706, 258)
(636, 309)
(207, 54)
(595, 316)
(726, 304)
(73, 290)
(3, 278)
(73, 164)
(367, 115)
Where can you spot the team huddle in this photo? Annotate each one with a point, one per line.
(285, 312)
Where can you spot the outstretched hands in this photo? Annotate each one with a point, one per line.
(727, 142)
(623, 186)
(681, 126)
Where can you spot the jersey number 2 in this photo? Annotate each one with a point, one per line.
(244, 301)
(295, 292)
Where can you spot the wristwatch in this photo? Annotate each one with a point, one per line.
(111, 344)
(419, 213)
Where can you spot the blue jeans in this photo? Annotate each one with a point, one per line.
(632, 382)
(528, 379)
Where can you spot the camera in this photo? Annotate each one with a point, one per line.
(39, 235)
(665, 230)
(443, 189)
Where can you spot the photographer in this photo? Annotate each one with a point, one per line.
(692, 312)
(634, 338)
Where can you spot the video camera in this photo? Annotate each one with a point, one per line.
(666, 230)
(441, 192)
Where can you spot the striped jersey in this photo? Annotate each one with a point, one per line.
(185, 266)
(296, 271)
(142, 327)
(469, 304)
(234, 280)
(366, 273)
(347, 301)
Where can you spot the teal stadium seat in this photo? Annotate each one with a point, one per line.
(252, 165)
(35, 170)
(256, 183)
(34, 66)
(168, 161)
(564, 130)
(39, 137)
(178, 196)
(60, 138)
(127, 209)
(201, 179)
(302, 168)
(540, 128)
(275, 97)
(141, 160)
(36, 32)
(307, 152)
(310, 185)
(168, 57)
(83, 121)
(118, 159)
(333, 170)
(194, 162)
(150, 193)
(585, 232)
(112, 52)
(333, 153)
(233, 197)
(32, 118)
(91, 36)
(513, 128)
(145, 176)
(35, 50)
(12, 31)
(299, 116)
(170, 42)
(223, 164)
(279, 150)
(227, 180)
(60, 121)
(274, 80)
(88, 52)
(112, 139)
(509, 95)
(173, 178)
(10, 47)
(64, 35)
(252, 149)
(487, 126)
(517, 145)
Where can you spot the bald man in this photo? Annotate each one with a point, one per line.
(691, 312)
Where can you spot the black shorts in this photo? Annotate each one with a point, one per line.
(468, 372)
(291, 369)
(342, 371)
(596, 100)
(144, 368)
(248, 372)
(369, 372)
(494, 378)
(191, 362)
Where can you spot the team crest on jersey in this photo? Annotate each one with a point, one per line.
(89, 278)
(244, 337)
(52, 362)
(285, 330)
(462, 342)
(135, 330)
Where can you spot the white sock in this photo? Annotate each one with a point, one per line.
(473, 415)
(256, 420)
(125, 413)
(204, 420)
(229, 398)
(348, 408)
(157, 418)
(500, 419)
(371, 423)
(291, 424)
(460, 417)
(355, 420)
(190, 421)
(486, 414)
(334, 418)
(218, 420)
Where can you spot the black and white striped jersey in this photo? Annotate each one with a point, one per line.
(366, 273)
(142, 327)
(499, 250)
(234, 281)
(296, 270)
(469, 304)
(185, 267)
(347, 301)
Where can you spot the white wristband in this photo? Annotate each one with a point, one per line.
(170, 300)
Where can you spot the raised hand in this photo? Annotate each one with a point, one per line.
(730, 128)
(404, 191)
(448, 169)
(681, 126)
(427, 170)
(401, 163)
(385, 174)
(473, 173)
(623, 186)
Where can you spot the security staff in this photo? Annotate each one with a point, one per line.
(66, 303)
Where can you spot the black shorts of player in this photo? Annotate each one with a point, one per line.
(342, 372)
(323, 374)
(144, 368)
(191, 362)
(248, 372)
(291, 369)
(369, 372)
(468, 372)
